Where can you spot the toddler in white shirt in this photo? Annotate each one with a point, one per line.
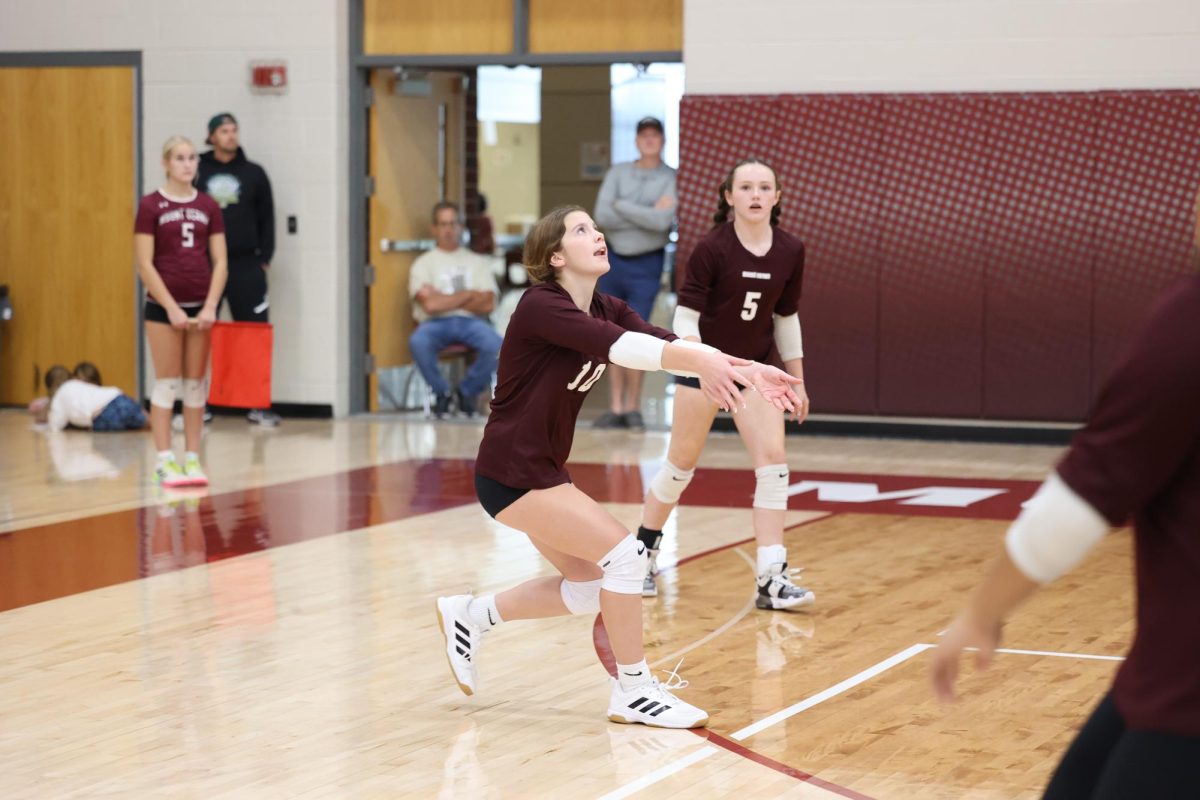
(85, 405)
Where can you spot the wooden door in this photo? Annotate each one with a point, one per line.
(406, 129)
(66, 225)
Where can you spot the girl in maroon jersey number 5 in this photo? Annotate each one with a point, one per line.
(561, 337)
(179, 242)
(741, 295)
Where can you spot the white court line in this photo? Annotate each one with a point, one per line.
(1055, 655)
(832, 691)
(661, 773)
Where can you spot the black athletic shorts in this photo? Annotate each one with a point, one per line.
(1110, 761)
(693, 382)
(153, 312)
(494, 496)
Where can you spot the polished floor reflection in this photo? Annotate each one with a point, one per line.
(274, 636)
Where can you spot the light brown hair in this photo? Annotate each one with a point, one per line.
(544, 240)
(87, 372)
(56, 376)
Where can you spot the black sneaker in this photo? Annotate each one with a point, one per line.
(609, 420)
(468, 404)
(441, 405)
(633, 420)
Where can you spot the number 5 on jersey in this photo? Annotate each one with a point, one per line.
(575, 384)
(188, 229)
(750, 306)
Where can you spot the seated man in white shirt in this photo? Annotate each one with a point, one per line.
(85, 405)
(453, 291)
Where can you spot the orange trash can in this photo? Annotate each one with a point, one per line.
(240, 365)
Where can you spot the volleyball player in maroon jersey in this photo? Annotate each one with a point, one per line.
(559, 341)
(740, 294)
(1137, 459)
(179, 242)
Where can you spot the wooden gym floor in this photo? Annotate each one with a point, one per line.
(275, 636)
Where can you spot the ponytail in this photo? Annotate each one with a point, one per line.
(723, 207)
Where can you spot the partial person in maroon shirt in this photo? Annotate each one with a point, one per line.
(179, 244)
(1137, 459)
(741, 294)
(562, 336)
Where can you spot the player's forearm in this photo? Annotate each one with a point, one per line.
(155, 286)
(216, 287)
(794, 367)
(1003, 589)
(684, 357)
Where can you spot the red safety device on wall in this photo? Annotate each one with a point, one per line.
(268, 76)
(241, 365)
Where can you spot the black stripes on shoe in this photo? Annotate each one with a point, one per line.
(651, 538)
(463, 637)
(646, 706)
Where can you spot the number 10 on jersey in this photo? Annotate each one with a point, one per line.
(585, 385)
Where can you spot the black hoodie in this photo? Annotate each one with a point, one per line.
(243, 191)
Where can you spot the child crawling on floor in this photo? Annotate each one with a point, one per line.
(75, 400)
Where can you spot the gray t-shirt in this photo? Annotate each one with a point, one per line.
(625, 208)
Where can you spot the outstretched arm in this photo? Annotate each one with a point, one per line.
(1054, 533)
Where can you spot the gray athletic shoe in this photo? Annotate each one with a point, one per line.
(265, 417)
(776, 592)
(633, 420)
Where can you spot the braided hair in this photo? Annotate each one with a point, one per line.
(723, 207)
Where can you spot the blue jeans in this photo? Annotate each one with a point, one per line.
(122, 414)
(434, 334)
(634, 279)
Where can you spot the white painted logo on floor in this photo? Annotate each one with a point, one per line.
(846, 492)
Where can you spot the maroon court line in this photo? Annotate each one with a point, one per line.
(45, 562)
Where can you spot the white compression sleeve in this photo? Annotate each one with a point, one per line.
(690, 346)
(1054, 532)
(788, 337)
(637, 351)
(686, 322)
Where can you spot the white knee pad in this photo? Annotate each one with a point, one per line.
(670, 482)
(581, 597)
(771, 486)
(194, 395)
(624, 567)
(164, 392)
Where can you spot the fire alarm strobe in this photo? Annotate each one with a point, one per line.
(268, 76)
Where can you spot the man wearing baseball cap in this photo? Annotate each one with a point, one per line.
(243, 191)
(635, 208)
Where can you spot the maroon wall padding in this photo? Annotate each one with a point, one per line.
(830, 173)
(727, 130)
(932, 250)
(1037, 354)
(969, 255)
(1147, 157)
